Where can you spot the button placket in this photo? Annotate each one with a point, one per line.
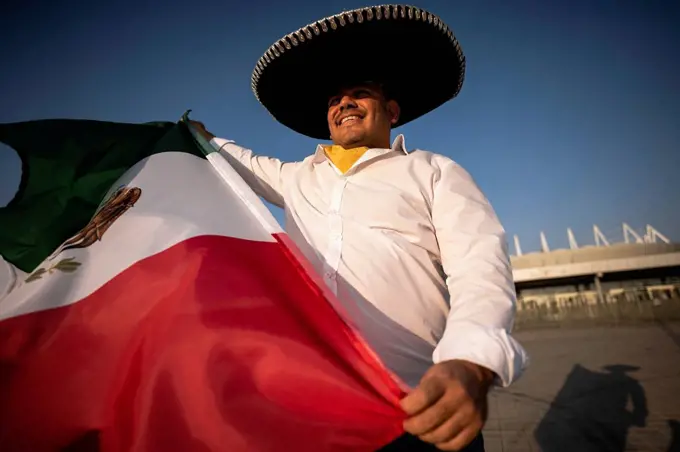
(335, 229)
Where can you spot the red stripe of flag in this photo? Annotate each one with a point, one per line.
(215, 344)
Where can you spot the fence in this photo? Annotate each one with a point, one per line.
(614, 312)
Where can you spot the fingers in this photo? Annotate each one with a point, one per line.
(460, 441)
(448, 408)
(197, 124)
(200, 128)
(448, 425)
(425, 395)
(443, 410)
(462, 422)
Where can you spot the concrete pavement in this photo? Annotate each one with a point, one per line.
(592, 389)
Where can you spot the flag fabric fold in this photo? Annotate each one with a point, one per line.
(150, 302)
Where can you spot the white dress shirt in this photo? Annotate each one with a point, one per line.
(410, 246)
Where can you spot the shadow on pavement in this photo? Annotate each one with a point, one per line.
(592, 411)
(674, 446)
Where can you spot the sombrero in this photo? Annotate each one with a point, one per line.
(408, 50)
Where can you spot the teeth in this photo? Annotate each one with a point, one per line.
(345, 119)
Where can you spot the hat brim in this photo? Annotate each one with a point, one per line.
(408, 50)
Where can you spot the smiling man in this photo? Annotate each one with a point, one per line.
(405, 239)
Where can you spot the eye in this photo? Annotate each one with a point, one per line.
(334, 101)
(362, 94)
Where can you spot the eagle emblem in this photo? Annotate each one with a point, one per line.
(119, 202)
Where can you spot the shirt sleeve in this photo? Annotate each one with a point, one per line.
(265, 175)
(475, 259)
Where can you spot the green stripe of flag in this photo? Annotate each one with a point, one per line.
(68, 166)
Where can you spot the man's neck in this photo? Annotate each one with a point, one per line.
(385, 144)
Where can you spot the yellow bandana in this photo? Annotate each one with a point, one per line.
(342, 158)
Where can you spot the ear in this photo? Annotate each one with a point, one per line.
(393, 110)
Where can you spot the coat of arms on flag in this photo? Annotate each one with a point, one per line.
(114, 206)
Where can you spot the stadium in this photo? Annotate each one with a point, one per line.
(638, 279)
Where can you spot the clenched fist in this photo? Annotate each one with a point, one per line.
(200, 128)
(449, 406)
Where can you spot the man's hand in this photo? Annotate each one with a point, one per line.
(200, 128)
(449, 406)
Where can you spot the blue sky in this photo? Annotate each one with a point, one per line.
(569, 115)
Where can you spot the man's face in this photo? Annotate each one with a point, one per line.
(361, 116)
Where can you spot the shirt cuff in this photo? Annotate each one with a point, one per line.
(492, 348)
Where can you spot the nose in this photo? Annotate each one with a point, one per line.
(347, 102)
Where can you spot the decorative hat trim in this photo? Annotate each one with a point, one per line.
(384, 12)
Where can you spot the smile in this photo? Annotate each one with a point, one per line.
(349, 119)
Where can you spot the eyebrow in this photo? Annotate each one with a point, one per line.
(373, 89)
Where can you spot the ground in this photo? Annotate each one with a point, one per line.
(592, 389)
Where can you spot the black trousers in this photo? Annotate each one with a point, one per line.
(410, 443)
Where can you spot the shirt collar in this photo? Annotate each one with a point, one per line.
(398, 145)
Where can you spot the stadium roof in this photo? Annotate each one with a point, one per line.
(594, 260)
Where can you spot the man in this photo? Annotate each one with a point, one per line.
(411, 247)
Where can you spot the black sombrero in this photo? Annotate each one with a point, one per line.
(407, 49)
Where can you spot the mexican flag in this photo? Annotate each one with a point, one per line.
(150, 302)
